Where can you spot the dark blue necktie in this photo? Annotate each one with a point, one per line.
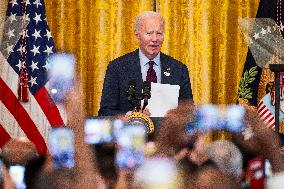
(151, 74)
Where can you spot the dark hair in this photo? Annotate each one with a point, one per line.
(33, 168)
(105, 156)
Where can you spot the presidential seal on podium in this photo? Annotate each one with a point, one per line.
(138, 118)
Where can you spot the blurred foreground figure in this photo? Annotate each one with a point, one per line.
(276, 181)
(227, 157)
(191, 135)
(158, 173)
(85, 173)
(19, 150)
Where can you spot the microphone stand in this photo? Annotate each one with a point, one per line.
(137, 103)
(137, 117)
(145, 104)
(146, 93)
(135, 99)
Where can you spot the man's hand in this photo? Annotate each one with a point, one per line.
(146, 112)
(7, 181)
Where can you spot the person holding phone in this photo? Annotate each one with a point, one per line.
(83, 172)
(147, 63)
(5, 179)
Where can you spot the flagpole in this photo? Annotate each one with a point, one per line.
(277, 69)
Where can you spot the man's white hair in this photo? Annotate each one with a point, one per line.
(227, 157)
(146, 14)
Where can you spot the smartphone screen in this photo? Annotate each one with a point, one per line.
(158, 172)
(98, 131)
(61, 145)
(1, 172)
(131, 144)
(17, 173)
(235, 118)
(117, 125)
(61, 75)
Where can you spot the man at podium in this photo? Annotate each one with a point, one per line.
(146, 63)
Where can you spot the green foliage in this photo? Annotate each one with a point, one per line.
(249, 76)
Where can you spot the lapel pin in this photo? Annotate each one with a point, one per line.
(168, 72)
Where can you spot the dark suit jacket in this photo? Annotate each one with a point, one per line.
(126, 68)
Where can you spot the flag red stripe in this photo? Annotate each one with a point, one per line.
(264, 112)
(272, 126)
(267, 116)
(260, 103)
(259, 110)
(49, 108)
(270, 123)
(4, 136)
(12, 104)
(271, 119)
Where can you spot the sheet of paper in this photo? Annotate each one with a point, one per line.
(163, 98)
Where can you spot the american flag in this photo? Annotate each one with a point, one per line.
(32, 119)
(264, 110)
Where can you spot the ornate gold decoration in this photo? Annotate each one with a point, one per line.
(245, 103)
(281, 126)
(267, 76)
(282, 150)
(138, 118)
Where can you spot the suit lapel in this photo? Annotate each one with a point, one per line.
(166, 70)
(135, 69)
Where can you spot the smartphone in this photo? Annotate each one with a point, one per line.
(98, 131)
(235, 118)
(158, 172)
(131, 145)
(61, 75)
(1, 172)
(117, 125)
(17, 173)
(61, 145)
(207, 118)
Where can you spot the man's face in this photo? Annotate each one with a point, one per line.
(150, 36)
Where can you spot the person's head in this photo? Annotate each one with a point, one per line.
(227, 157)
(33, 167)
(19, 150)
(149, 30)
(105, 156)
(213, 178)
(56, 179)
(173, 137)
(157, 173)
(258, 140)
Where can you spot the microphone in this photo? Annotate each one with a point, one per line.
(146, 93)
(131, 91)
